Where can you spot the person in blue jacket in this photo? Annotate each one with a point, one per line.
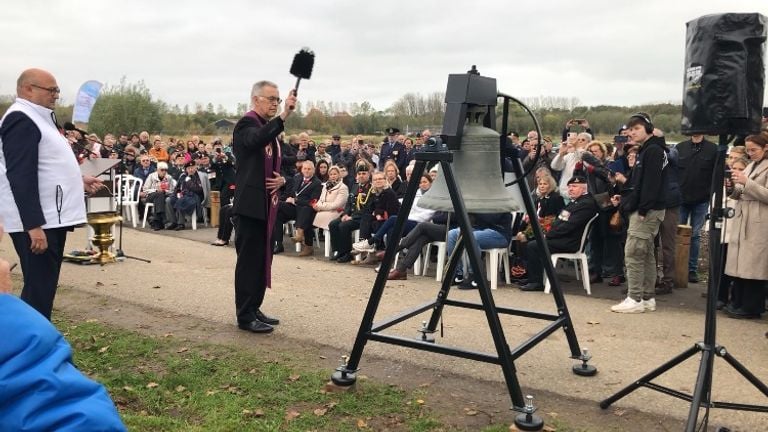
(40, 387)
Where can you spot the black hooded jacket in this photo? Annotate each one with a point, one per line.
(645, 188)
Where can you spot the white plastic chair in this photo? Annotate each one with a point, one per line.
(441, 246)
(128, 196)
(492, 265)
(146, 212)
(580, 258)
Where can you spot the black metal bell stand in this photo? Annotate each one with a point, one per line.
(345, 374)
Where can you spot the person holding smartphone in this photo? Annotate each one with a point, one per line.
(584, 123)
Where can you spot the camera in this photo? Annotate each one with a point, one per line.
(218, 150)
(620, 139)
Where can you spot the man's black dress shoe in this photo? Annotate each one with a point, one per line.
(344, 258)
(532, 287)
(266, 319)
(256, 326)
(179, 227)
(739, 313)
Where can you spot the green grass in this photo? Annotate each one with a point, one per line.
(162, 384)
(167, 384)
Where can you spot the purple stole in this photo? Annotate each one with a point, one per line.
(272, 161)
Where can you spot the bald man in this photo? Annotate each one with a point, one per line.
(41, 187)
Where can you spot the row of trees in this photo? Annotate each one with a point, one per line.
(130, 107)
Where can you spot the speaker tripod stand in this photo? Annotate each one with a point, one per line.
(709, 348)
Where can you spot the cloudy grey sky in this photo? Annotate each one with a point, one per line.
(602, 51)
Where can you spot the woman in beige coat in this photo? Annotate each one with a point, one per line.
(747, 260)
(332, 199)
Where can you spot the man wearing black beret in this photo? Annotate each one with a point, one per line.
(566, 232)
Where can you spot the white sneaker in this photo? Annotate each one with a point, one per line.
(629, 305)
(363, 246)
(650, 305)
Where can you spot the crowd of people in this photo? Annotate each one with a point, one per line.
(637, 188)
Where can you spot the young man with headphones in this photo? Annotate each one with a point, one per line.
(643, 201)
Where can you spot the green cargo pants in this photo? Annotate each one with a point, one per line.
(638, 254)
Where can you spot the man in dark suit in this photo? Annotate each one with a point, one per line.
(257, 151)
(566, 232)
(393, 149)
(303, 191)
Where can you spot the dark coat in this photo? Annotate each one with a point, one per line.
(365, 195)
(568, 227)
(396, 152)
(550, 205)
(695, 167)
(386, 204)
(644, 190)
(250, 141)
(305, 195)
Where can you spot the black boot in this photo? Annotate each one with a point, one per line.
(277, 248)
(266, 319)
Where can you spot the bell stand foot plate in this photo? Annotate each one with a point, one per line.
(529, 422)
(343, 378)
(585, 370)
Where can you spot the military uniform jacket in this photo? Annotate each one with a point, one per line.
(568, 227)
(396, 152)
(360, 201)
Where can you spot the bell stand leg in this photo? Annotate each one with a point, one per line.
(491, 314)
(346, 373)
(583, 369)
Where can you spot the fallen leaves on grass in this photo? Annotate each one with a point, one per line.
(253, 413)
(320, 411)
(362, 424)
(294, 378)
(180, 388)
(291, 414)
(182, 350)
(470, 412)
(104, 349)
(152, 385)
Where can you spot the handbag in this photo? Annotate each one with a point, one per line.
(616, 223)
(603, 200)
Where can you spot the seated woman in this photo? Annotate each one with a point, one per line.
(332, 200)
(392, 174)
(421, 235)
(159, 186)
(416, 216)
(492, 230)
(549, 203)
(186, 198)
(385, 205)
(321, 170)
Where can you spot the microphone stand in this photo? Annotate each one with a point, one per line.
(119, 252)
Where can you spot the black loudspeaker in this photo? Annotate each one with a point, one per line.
(724, 74)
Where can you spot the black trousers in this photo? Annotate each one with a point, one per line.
(41, 272)
(251, 243)
(225, 223)
(158, 199)
(535, 267)
(341, 235)
(422, 234)
(748, 295)
(302, 215)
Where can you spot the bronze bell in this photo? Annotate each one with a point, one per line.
(477, 169)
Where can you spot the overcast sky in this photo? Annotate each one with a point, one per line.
(601, 52)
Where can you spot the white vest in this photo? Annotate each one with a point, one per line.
(59, 181)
